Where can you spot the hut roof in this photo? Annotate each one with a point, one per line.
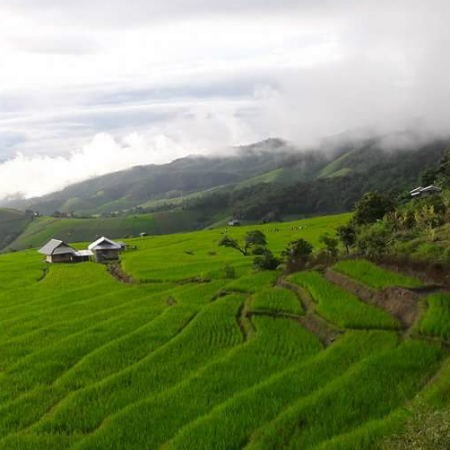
(420, 190)
(84, 253)
(56, 247)
(104, 243)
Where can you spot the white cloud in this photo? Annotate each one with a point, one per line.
(38, 175)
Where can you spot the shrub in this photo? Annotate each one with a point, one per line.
(372, 241)
(267, 261)
(372, 207)
(331, 244)
(259, 251)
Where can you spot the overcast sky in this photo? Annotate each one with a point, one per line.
(92, 86)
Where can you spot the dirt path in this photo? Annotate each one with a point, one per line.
(116, 271)
(326, 332)
(243, 319)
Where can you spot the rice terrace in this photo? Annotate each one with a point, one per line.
(193, 349)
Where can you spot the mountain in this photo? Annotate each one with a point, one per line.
(133, 187)
(268, 180)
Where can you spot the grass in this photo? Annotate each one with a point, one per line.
(253, 283)
(12, 224)
(42, 229)
(436, 321)
(229, 425)
(187, 255)
(373, 276)
(274, 345)
(175, 362)
(277, 300)
(341, 307)
(371, 390)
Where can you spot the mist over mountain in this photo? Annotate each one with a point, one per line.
(387, 162)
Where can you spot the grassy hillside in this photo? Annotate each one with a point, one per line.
(217, 363)
(12, 224)
(83, 230)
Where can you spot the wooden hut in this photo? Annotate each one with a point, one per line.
(57, 251)
(420, 191)
(105, 250)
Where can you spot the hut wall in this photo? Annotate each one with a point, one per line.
(64, 258)
(107, 255)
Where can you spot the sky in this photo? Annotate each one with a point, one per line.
(93, 86)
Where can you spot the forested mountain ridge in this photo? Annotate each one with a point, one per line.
(325, 179)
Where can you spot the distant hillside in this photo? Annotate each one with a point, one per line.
(336, 189)
(12, 224)
(146, 184)
(273, 161)
(270, 180)
(83, 230)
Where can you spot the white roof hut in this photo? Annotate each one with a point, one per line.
(425, 191)
(57, 251)
(105, 249)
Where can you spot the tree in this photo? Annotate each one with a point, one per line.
(428, 176)
(267, 261)
(299, 250)
(331, 244)
(372, 207)
(229, 242)
(373, 241)
(347, 236)
(253, 238)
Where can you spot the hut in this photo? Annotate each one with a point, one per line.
(57, 251)
(420, 191)
(82, 256)
(105, 250)
(123, 245)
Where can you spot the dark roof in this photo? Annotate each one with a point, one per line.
(56, 247)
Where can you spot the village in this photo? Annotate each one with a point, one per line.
(102, 250)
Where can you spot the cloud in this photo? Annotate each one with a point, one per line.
(207, 75)
(121, 13)
(39, 175)
(56, 45)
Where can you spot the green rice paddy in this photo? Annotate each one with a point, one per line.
(373, 276)
(341, 307)
(436, 321)
(189, 357)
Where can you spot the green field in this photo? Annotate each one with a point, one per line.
(12, 224)
(189, 357)
(373, 276)
(436, 321)
(341, 307)
(84, 230)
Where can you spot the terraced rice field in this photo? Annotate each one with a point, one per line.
(373, 276)
(185, 358)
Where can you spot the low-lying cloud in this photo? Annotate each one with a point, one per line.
(29, 176)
